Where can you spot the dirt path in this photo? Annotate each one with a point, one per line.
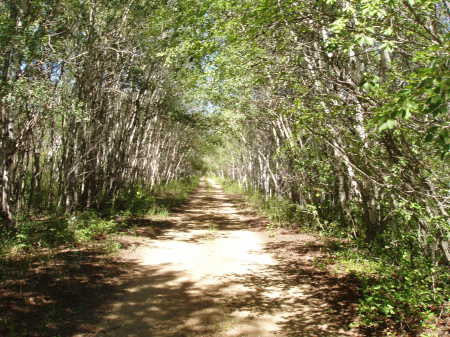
(210, 270)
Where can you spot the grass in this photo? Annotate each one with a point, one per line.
(159, 212)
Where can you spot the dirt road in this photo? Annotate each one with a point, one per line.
(212, 269)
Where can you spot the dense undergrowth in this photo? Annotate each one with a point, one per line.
(94, 225)
(403, 293)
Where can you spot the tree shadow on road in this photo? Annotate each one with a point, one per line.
(85, 293)
(56, 293)
(316, 302)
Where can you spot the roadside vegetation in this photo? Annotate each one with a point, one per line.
(89, 227)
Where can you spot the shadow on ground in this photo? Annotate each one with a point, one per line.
(166, 307)
(200, 213)
(145, 227)
(325, 306)
(66, 297)
(84, 293)
(56, 294)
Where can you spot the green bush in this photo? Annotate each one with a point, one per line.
(404, 295)
(400, 290)
(42, 233)
(139, 201)
(88, 226)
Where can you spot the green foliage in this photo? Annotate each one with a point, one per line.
(426, 95)
(160, 212)
(175, 192)
(58, 231)
(398, 293)
(88, 226)
(136, 201)
(405, 294)
(158, 200)
(42, 233)
(94, 225)
(281, 211)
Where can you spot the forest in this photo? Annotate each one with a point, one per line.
(328, 116)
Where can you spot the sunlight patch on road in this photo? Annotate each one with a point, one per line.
(238, 253)
(211, 275)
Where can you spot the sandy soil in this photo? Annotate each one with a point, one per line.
(212, 269)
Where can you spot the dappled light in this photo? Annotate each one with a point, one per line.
(224, 168)
(58, 294)
(211, 274)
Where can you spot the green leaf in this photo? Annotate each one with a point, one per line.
(387, 125)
